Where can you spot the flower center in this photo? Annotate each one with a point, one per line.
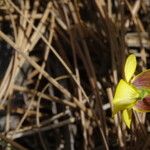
(144, 93)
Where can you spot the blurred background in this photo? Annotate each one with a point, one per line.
(60, 61)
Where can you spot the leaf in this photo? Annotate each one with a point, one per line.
(130, 67)
(142, 80)
(125, 96)
(127, 117)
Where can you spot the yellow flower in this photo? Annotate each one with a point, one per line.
(132, 93)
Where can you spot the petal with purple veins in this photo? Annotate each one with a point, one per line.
(142, 80)
(143, 105)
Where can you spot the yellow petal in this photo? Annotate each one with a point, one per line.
(125, 96)
(130, 67)
(127, 117)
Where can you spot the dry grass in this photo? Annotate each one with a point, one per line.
(60, 62)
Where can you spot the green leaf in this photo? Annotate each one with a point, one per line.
(130, 67)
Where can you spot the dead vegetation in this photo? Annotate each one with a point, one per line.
(60, 61)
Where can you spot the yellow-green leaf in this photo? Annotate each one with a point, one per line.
(125, 96)
(127, 117)
(130, 67)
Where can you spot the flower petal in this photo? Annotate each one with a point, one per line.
(143, 105)
(127, 117)
(125, 96)
(130, 67)
(142, 80)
